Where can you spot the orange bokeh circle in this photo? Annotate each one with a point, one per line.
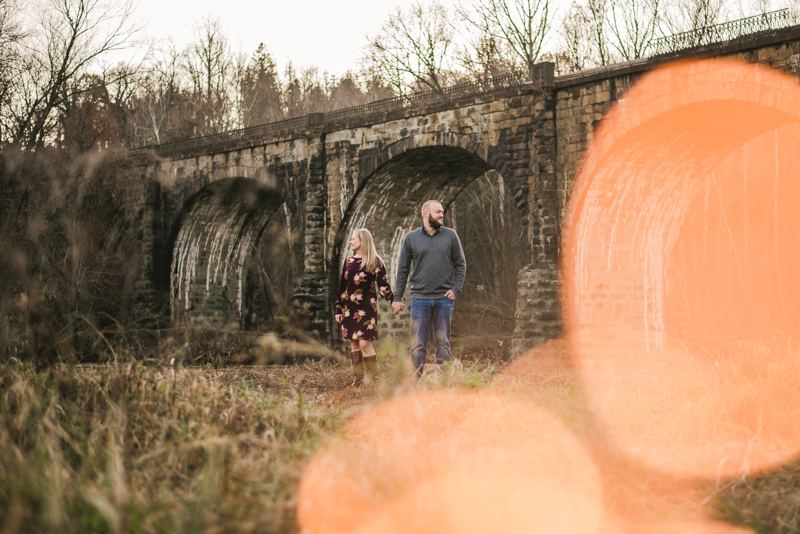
(680, 269)
(450, 461)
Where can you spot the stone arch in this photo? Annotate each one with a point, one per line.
(515, 175)
(675, 224)
(213, 239)
(389, 198)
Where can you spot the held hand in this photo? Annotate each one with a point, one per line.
(450, 295)
(338, 317)
(397, 307)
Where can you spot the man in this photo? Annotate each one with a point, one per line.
(439, 269)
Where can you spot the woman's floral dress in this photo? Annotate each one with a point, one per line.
(357, 300)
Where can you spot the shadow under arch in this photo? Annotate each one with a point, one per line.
(496, 157)
(214, 240)
(389, 200)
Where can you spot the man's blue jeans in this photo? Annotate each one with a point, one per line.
(437, 312)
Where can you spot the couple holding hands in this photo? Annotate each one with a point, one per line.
(439, 268)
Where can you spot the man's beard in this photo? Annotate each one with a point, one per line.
(434, 224)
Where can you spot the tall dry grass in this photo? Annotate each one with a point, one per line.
(129, 448)
(132, 449)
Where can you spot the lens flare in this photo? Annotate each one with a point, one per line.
(679, 262)
(452, 461)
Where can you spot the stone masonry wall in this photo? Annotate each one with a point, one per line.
(537, 314)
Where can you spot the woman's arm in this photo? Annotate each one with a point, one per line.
(384, 288)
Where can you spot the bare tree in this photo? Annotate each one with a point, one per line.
(601, 32)
(598, 12)
(749, 8)
(161, 106)
(692, 15)
(66, 39)
(616, 30)
(212, 69)
(160, 109)
(10, 28)
(10, 35)
(761, 6)
(374, 85)
(90, 118)
(576, 51)
(209, 58)
(521, 26)
(633, 25)
(411, 50)
(484, 57)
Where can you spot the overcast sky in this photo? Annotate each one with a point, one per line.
(327, 33)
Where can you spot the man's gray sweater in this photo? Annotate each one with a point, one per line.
(439, 264)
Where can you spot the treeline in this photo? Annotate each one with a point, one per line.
(60, 87)
(55, 88)
(208, 88)
(430, 45)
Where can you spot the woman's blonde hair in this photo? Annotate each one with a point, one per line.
(370, 261)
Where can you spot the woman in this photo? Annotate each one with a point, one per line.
(357, 302)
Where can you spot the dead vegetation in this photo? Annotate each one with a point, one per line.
(769, 503)
(127, 448)
(162, 448)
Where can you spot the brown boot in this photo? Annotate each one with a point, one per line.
(371, 363)
(358, 367)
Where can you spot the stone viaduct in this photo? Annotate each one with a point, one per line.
(205, 202)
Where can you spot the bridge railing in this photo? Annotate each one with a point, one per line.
(725, 31)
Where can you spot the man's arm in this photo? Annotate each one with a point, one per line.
(459, 264)
(403, 268)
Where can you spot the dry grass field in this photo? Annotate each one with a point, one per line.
(131, 448)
